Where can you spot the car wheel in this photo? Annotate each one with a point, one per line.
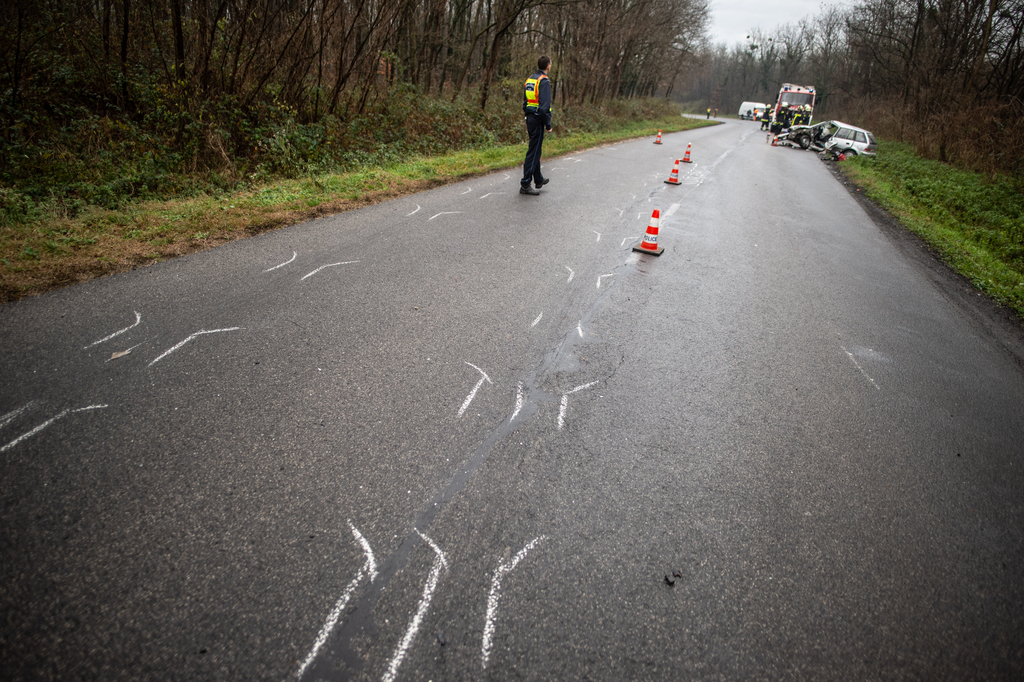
(804, 141)
(850, 153)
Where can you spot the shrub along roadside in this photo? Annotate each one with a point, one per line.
(974, 222)
(58, 250)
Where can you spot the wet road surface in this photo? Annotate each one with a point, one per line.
(470, 434)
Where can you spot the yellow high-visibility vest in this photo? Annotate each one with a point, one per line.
(533, 92)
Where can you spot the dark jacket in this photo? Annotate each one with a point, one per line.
(544, 97)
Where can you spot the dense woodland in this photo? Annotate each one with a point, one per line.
(946, 75)
(107, 100)
(103, 99)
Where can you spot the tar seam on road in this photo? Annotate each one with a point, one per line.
(138, 320)
(360, 619)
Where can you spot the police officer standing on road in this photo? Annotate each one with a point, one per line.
(537, 108)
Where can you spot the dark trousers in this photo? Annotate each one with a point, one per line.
(531, 169)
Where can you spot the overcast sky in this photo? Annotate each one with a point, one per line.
(732, 20)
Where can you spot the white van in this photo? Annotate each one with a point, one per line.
(752, 110)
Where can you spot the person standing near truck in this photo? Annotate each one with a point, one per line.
(537, 109)
(766, 118)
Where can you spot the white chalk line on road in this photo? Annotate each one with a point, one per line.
(295, 254)
(138, 321)
(198, 333)
(13, 414)
(495, 595)
(414, 212)
(602, 277)
(472, 394)
(857, 365)
(519, 402)
(572, 273)
(443, 213)
(564, 404)
(47, 423)
(369, 568)
(329, 265)
(538, 319)
(440, 562)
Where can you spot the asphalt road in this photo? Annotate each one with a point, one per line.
(470, 434)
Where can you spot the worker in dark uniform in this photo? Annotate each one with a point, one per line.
(537, 109)
(766, 118)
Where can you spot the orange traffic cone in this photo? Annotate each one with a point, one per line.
(658, 141)
(673, 178)
(650, 242)
(775, 141)
(686, 156)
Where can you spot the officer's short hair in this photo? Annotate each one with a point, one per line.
(543, 62)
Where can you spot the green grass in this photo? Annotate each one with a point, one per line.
(56, 250)
(974, 222)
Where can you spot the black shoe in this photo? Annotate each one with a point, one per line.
(526, 189)
(543, 182)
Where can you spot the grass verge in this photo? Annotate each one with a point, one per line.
(46, 254)
(974, 222)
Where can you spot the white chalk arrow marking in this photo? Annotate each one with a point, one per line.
(495, 594)
(138, 320)
(440, 562)
(444, 213)
(472, 394)
(369, 568)
(329, 265)
(565, 403)
(198, 333)
(13, 414)
(46, 423)
(295, 254)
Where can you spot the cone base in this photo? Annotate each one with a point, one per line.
(657, 143)
(656, 252)
(686, 161)
(672, 182)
